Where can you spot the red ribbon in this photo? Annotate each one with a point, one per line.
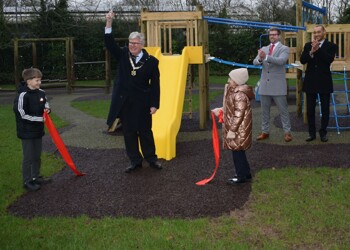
(216, 148)
(60, 144)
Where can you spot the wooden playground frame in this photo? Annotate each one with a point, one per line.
(68, 41)
(69, 56)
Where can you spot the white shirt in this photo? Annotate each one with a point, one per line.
(139, 56)
(108, 30)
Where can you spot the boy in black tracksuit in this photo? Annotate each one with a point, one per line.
(29, 107)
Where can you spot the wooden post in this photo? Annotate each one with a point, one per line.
(144, 27)
(299, 85)
(71, 59)
(34, 55)
(324, 17)
(15, 61)
(203, 75)
(68, 65)
(108, 71)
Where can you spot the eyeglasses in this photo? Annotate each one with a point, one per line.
(273, 34)
(134, 43)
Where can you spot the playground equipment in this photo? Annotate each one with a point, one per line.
(167, 120)
(68, 50)
(68, 75)
(158, 28)
(340, 104)
(295, 37)
(313, 14)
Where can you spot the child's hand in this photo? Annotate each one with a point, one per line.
(231, 135)
(216, 111)
(47, 111)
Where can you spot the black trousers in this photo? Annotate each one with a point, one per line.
(135, 133)
(311, 107)
(31, 158)
(241, 163)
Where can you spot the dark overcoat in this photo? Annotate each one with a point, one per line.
(143, 89)
(318, 76)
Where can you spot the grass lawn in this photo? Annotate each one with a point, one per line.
(289, 208)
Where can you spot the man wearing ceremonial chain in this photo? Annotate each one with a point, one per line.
(135, 96)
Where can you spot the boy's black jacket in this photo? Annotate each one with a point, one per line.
(29, 107)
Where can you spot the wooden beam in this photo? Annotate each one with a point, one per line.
(16, 61)
(330, 27)
(299, 48)
(161, 16)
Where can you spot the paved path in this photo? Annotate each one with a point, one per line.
(89, 132)
(86, 131)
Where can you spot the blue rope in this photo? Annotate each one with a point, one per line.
(251, 24)
(241, 65)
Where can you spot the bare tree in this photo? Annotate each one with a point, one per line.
(340, 7)
(335, 8)
(273, 10)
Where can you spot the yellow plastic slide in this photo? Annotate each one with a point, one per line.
(173, 73)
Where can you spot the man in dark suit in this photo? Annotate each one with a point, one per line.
(136, 96)
(318, 54)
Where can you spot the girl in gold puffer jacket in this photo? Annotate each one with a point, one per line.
(237, 122)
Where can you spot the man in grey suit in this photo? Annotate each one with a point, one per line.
(273, 85)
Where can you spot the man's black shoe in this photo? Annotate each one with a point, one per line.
(156, 165)
(324, 138)
(310, 138)
(31, 186)
(41, 180)
(133, 168)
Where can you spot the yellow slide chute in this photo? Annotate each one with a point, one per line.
(173, 73)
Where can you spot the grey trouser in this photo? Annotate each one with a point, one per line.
(282, 105)
(31, 158)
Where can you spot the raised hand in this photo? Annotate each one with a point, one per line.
(109, 18)
(315, 45)
(216, 111)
